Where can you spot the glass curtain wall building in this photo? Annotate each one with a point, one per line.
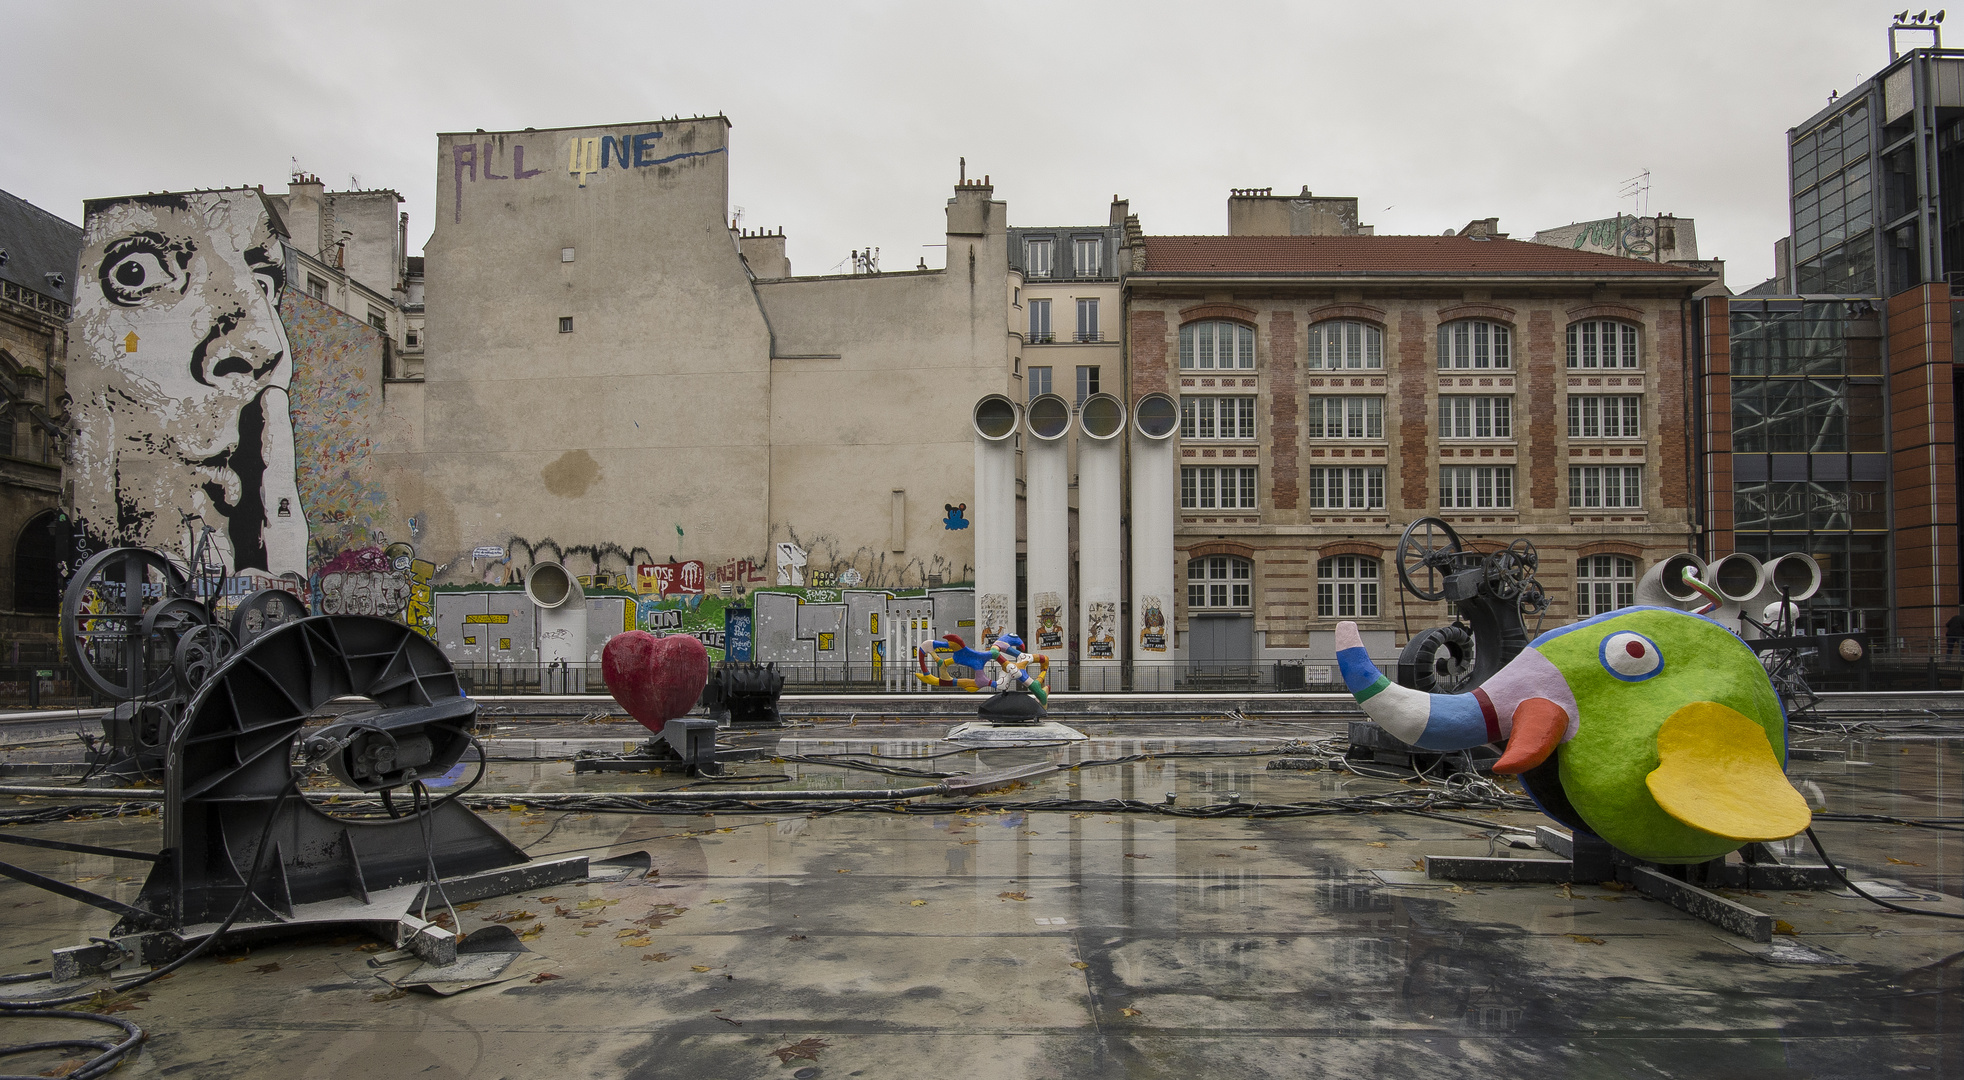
(1810, 448)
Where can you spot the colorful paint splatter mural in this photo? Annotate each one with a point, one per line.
(337, 391)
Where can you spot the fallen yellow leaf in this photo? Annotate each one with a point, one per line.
(917, 903)
(698, 967)
(1079, 964)
(1012, 896)
(636, 943)
(1782, 926)
(628, 933)
(1130, 1012)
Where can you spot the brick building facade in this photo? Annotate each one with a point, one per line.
(1334, 388)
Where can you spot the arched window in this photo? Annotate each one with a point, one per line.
(1604, 583)
(1474, 344)
(1347, 587)
(1602, 343)
(36, 589)
(1217, 344)
(1345, 344)
(1220, 581)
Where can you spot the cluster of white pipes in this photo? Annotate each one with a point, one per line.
(1095, 629)
(1743, 584)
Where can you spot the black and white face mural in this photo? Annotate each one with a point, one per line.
(180, 370)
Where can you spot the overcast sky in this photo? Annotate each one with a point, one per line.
(850, 117)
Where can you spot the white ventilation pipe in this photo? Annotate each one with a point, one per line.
(1047, 544)
(1100, 422)
(995, 422)
(1663, 584)
(560, 606)
(1155, 451)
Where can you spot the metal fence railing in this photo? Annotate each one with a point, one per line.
(1900, 664)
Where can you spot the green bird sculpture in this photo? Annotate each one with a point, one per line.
(1654, 728)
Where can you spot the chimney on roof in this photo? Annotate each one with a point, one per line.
(1483, 229)
(1261, 212)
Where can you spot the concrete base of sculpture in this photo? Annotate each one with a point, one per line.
(978, 732)
(1011, 707)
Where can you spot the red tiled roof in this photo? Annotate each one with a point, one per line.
(1381, 254)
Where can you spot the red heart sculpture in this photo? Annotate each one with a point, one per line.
(656, 679)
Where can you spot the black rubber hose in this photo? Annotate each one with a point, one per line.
(1878, 901)
(110, 1053)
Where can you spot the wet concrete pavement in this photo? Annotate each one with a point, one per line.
(1085, 943)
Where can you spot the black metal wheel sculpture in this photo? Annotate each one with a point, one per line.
(229, 770)
(265, 611)
(199, 652)
(112, 610)
(1428, 552)
(1440, 660)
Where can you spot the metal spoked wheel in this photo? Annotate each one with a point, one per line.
(104, 615)
(1426, 553)
(200, 652)
(264, 611)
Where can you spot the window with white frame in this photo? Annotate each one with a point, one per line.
(1356, 487)
(1220, 581)
(1600, 343)
(1344, 418)
(1036, 258)
(1347, 587)
(1476, 487)
(1040, 322)
(1087, 318)
(1087, 382)
(1086, 256)
(1604, 583)
(1464, 416)
(1473, 344)
(1217, 418)
(1039, 382)
(1345, 344)
(1605, 487)
(1610, 417)
(1217, 487)
(1217, 345)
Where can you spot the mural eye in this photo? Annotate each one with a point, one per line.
(135, 275)
(1631, 657)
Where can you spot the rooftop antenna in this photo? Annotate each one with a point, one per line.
(1637, 189)
(736, 219)
(354, 182)
(1922, 20)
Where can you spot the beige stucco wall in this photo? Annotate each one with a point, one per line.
(871, 393)
(650, 414)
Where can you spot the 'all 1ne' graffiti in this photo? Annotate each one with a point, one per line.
(585, 156)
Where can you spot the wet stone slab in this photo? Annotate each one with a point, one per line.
(1085, 943)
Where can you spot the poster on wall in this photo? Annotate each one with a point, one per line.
(1049, 629)
(1100, 637)
(992, 617)
(1152, 625)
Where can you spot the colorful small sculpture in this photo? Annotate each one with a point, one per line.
(1656, 729)
(1007, 654)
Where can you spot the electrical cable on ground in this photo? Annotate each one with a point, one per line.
(1878, 901)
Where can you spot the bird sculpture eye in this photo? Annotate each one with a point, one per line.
(1631, 657)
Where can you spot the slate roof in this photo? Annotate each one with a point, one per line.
(37, 242)
(1384, 254)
